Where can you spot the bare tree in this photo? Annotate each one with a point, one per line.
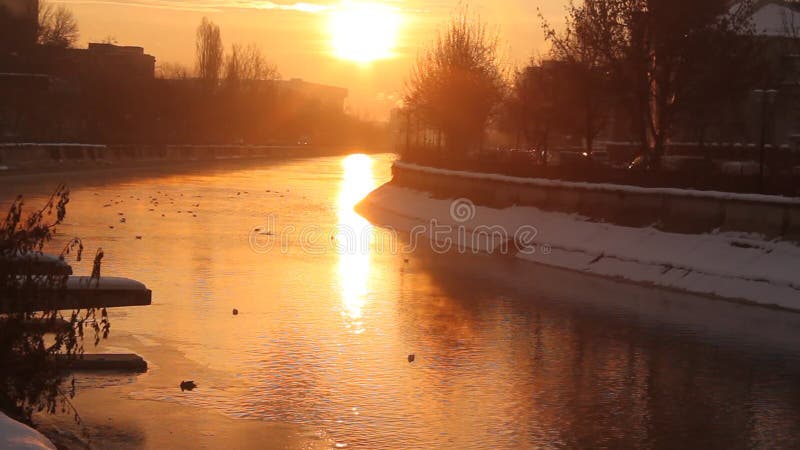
(57, 25)
(233, 66)
(173, 71)
(248, 63)
(209, 51)
(655, 51)
(255, 66)
(33, 375)
(534, 107)
(456, 84)
(585, 68)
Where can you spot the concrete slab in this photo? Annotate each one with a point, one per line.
(117, 362)
(84, 292)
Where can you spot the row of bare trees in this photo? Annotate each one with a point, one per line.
(214, 67)
(662, 63)
(242, 63)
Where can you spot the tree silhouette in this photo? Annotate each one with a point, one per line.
(34, 349)
(584, 68)
(209, 52)
(57, 26)
(247, 62)
(456, 84)
(173, 71)
(534, 107)
(658, 54)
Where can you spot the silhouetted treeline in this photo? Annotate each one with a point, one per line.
(188, 111)
(105, 109)
(648, 72)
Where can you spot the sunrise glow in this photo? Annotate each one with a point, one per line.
(364, 32)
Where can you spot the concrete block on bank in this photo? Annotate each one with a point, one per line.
(447, 187)
(677, 210)
(532, 196)
(605, 205)
(409, 178)
(72, 153)
(479, 192)
(116, 362)
(692, 214)
(28, 155)
(792, 231)
(640, 210)
(432, 185)
(505, 195)
(754, 217)
(564, 200)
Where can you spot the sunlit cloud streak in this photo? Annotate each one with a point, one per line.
(431, 7)
(210, 6)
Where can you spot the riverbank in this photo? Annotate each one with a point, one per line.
(33, 158)
(744, 254)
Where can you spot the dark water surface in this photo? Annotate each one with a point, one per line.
(508, 355)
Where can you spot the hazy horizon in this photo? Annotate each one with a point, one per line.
(303, 40)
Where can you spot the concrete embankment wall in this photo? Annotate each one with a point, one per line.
(707, 243)
(672, 210)
(33, 155)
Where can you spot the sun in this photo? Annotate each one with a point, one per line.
(364, 32)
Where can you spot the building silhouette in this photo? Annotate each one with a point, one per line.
(19, 25)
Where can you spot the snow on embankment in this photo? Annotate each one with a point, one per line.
(16, 436)
(731, 265)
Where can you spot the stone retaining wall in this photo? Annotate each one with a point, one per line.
(667, 209)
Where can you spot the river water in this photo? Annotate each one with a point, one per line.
(507, 354)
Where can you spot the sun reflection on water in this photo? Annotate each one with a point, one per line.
(354, 238)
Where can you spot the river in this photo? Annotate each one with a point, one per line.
(507, 354)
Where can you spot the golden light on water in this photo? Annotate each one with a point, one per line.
(354, 237)
(364, 32)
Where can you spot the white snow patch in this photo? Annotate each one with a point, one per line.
(106, 283)
(17, 436)
(724, 264)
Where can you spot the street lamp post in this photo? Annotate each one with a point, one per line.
(767, 100)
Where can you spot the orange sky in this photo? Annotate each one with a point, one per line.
(296, 35)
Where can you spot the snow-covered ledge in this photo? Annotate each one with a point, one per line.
(675, 210)
(17, 436)
(729, 265)
(606, 187)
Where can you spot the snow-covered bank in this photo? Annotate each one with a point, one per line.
(16, 436)
(729, 265)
